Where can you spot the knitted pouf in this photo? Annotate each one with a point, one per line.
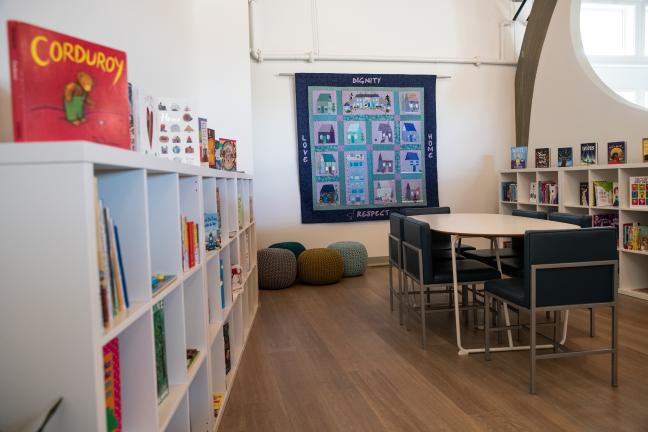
(320, 266)
(355, 257)
(277, 268)
(294, 247)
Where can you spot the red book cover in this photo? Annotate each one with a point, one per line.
(64, 88)
(112, 383)
(190, 229)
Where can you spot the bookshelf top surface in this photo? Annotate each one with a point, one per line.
(577, 168)
(104, 157)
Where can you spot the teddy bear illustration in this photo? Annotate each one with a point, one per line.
(75, 98)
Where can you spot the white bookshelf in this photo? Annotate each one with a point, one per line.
(633, 265)
(51, 309)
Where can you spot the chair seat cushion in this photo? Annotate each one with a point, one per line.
(443, 245)
(511, 290)
(444, 255)
(489, 254)
(467, 271)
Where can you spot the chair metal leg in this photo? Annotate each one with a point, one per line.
(406, 302)
(400, 297)
(555, 329)
(487, 313)
(532, 352)
(423, 335)
(474, 304)
(464, 301)
(615, 347)
(592, 323)
(498, 320)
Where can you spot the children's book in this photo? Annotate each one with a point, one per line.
(616, 152)
(226, 340)
(222, 284)
(204, 144)
(102, 260)
(533, 192)
(212, 148)
(638, 192)
(112, 386)
(131, 116)
(565, 157)
(644, 151)
(519, 157)
(542, 158)
(588, 154)
(159, 336)
(228, 154)
(211, 231)
(64, 88)
(217, 402)
(606, 220)
(584, 194)
(143, 118)
(603, 193)
(120, 263)
(175, 131)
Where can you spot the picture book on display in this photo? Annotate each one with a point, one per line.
(212, 150)
(644, 149)
(589, 154)
(635, 236)
(190, 244)
(584, 194)
(606, 193)
(606, 220)
(227, 154)
(159, 335)
(547, 192)
(212, 240)
(565, 157)
(112, 386)
(616, 152)
(509, 191)
(519, 157)
(143, 118)
(175, 131)
(638, 192)
(533, 192)
(65, 88)
(204, 145)
(542, 158)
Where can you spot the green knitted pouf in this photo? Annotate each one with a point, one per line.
(277, 268)
(320, 266)
(295, 247)
(355, 257)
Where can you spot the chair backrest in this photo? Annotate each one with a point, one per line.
(437, 237)
(583, 221)
(529, 213)
(396, 230)
(517, 243)
(578, 284)
(418, 235)
(415, 211)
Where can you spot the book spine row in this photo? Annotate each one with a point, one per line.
(635, 237)
(547, 192)
(190, 244)
(509, 191)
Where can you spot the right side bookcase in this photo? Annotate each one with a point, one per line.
(572, 198)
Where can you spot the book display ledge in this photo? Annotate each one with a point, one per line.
(51, 281)
(633, 264)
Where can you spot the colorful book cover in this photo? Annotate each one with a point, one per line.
(584, 194)
(565, 157)
(603, 193)
(644, 147)
(65, 89)
(616, 152)
(606, 220)
(143, 113)
(211, 231)
(519, 157)
(222, 284)
(228, 354)
(175, 131)
(159, 335)
(211, 149)
(542, 158)
(204, 143)
(533, 192)
(217, 401)
(588, 154)
(638, 191)
(112, 386)
(228, 154)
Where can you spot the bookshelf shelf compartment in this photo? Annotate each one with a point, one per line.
(146, 197)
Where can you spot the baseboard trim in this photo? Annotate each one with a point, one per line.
(378, 261)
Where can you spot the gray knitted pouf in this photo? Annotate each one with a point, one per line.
(277, 268)
(355, 257)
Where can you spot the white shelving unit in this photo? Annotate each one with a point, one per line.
(633, 265)
(51, 309)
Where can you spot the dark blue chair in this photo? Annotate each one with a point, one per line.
(512, 266)
(562, 270)
(420, 266)
(488, 256)
(583, 221)
(395, 239)
(440, 241)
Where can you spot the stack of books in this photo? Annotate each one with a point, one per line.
(509, 191)
(112, 281)
(635, 237)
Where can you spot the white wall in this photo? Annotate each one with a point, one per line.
(475, 108)
(192, 49)
(570, 103)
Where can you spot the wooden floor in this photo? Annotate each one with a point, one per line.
(334, 358)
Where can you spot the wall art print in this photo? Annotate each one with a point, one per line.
(367, 145)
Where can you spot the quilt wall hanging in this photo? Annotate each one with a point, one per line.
(367, 145)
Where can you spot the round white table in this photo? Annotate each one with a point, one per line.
(492, 226)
